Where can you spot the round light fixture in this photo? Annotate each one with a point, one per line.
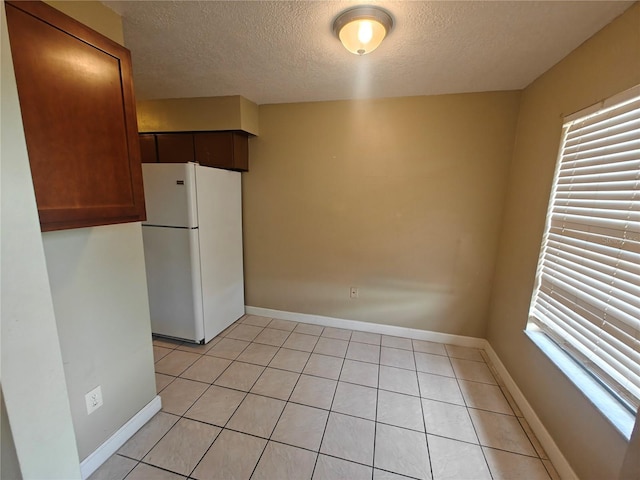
(362, 29)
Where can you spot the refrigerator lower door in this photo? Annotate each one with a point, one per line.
(174, 282)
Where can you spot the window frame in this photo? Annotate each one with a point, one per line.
(613, 406)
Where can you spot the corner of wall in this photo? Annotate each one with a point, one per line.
(499, 243)
(631, 466)
(94, 14)
(249, 116)
(9, 465)
(605, 64)
(32, 367)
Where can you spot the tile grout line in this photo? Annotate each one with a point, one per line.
(283, 408)
(330, 455)
(513, 414)
(140, 462)
(212, 384)
(375, 423)
(286, 401)
(473, 425)
(326, 423)
(197, 399)
(219, 433)
(547, 469)
(182, 416)
(424, 420)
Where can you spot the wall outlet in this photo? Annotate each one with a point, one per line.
(353, 292)
(93, 399)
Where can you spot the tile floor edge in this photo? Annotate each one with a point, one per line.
(555, 455)
(392, 330)
(101, 454)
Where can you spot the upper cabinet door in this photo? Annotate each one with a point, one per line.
(175, 147)
(214, 149)
(222, 150)
(148, 150)
(78, 110)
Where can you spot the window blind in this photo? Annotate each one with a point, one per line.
(587, 294)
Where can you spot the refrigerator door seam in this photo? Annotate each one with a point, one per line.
(169, 226)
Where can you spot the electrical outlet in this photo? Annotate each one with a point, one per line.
(93, 399)
(353, 292)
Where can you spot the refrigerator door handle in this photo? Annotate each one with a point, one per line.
(192, 195)
(196, 276)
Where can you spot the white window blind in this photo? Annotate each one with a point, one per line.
(587, 295)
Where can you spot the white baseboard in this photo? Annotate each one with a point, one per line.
(124, 433)
(392, 330)
(559, 462)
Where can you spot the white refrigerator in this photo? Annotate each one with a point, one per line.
(193, 249)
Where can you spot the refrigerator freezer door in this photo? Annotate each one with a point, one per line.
(220, 220)
(174, 282)
(170, 194)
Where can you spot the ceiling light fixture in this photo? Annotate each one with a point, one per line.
(362, 29)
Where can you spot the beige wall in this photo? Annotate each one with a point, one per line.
(631, 466)
(99, 290)
(606, 64)
(9, 465)
(33, 382)
(400, 197)
(102, 19)
(197, 114)
(249, 116)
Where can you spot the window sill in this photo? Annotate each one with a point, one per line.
(613, 411)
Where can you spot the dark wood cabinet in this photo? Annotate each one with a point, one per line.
(214, 149)
(175, 147)
(78, 110)
(228, 150)
(148, 149)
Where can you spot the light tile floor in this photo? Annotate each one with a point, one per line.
(273, 399)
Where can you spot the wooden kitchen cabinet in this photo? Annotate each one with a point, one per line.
(148, 149)
(175, 147)
(228, 150)
(78, 110)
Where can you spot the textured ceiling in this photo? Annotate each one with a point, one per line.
(285, 51)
